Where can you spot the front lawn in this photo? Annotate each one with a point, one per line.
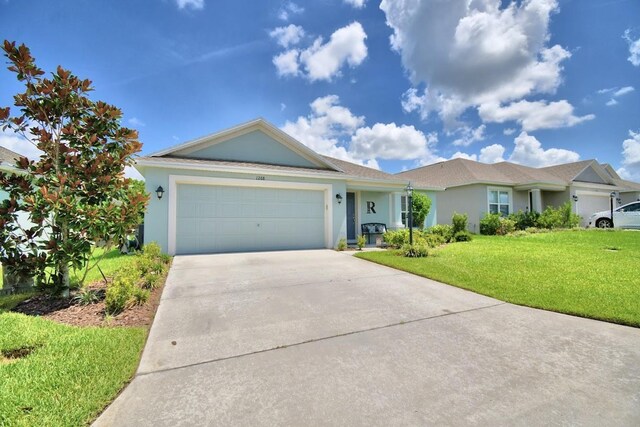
(71, 373)
(55, 374)
(585, 273)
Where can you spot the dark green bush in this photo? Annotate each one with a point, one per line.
(524, 220)
(462, 236)
(396, 238)
(489, 224)
(459, 222)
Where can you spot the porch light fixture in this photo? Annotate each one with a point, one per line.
(575, 198)
(339, 198)
(409, 190)
(159, 192)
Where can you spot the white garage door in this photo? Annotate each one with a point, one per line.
(213, 219)
(590, 204)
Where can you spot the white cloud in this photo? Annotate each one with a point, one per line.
(528, 151)
(533, 115)
(474, 52)
(358, 4)
(623, 91)
(193, 4)
(389, 141)
(288, 9)
(346, 45)
(470, 135)
(631, 157)
(323, 61)
(18, 144)
(333, 130)
(634, 48)
(615, 93)
(287, 36)
(287, 63)
(461, 155)
(492, 154)
(509, 131)
(136, 122)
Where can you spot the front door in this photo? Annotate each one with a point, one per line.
(351, 216)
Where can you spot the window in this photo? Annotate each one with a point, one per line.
(403, 209)
(499, 202)
(631, 208)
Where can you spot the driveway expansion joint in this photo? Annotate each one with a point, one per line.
(313, 340)
(230, 292)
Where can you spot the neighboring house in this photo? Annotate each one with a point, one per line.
(253, 187)
(8, 160)
(477, 188)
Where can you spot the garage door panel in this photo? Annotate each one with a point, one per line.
(590, 204)
(227, 219)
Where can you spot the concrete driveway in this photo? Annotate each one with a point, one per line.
(323, 338)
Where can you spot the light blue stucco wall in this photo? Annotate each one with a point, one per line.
(254, 146)
(381, 207)
(157, 214)
(432, 218)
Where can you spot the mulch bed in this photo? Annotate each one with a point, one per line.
(68, 311)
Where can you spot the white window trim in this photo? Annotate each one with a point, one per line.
(174, 180)
(406, 212)
(508, 190)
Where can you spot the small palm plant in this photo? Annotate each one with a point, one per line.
(361, 242)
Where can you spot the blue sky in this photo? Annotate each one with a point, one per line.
(392, 84)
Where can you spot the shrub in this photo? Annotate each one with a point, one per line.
(120, 295)
(151, 280)
(506, 226)
(519, 233)
(140, 296)
(535, 230)
(462, 236)
(443, 230)
(417, 250)
(396, 238)
(361, 242)
(459, 222)
(152, 250)
(434, 240)
(489, 224)
(523, 220)
(569, 219)
(342, 244)
(421, 204)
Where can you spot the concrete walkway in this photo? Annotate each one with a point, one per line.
(323, 338)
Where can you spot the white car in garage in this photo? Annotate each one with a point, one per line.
(627, 216)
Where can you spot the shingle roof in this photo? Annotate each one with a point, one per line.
(524, 174)
(456, 172)
(568, 171)
(8, 156)
(361, 171)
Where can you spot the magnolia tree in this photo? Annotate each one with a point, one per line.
(75, 194)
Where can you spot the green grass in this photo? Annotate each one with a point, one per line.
(70, 376)
(112, 262)
(585, 273)
(72, 373)
(7, 302)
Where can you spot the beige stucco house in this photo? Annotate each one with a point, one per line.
(477, 188)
